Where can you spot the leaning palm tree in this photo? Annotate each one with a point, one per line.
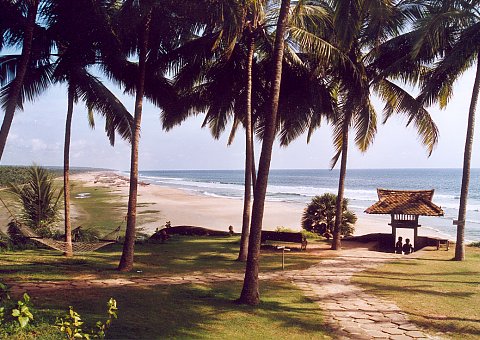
(17, 26)
(450, 31)
(76, 52)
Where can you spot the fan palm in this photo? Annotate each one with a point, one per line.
(319, 215)
(450, 31)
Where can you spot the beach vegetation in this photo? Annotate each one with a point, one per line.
(39, 199)
(436, 293)
(448, 33)
(319, 216)
(13, 175)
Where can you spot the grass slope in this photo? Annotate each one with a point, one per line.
(179, 255)
(437, 293)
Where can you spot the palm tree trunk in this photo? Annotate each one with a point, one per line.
(250, 292)
(242, 256)
(254, 172)
(66, 175)
(17, 83)
(467, 156)
(336, 243)
(126, 261)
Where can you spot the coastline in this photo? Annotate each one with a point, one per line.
(182, 207)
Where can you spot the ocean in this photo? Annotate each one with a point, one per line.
(299, 186)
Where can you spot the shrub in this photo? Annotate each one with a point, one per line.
(85, 235)
(319, 216)
(284, 230)
(475, 244)
(40, 201)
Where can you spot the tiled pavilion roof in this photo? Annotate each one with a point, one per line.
(406, 202)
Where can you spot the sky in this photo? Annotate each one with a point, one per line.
(37, 136)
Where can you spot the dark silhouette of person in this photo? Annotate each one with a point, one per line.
(407, 247)
(399, 246)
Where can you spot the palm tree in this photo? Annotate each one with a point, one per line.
(76, 51)
(359, 29)
(148, 29)
(224, 88)
(250, 291)
(450, 30)
(11, 17)
(218, 79)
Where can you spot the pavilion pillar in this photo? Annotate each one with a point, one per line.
(394, 232)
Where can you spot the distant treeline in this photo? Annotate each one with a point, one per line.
(18, 174)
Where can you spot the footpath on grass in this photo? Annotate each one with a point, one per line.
(350, 311)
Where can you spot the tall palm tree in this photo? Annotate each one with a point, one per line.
(225, 88)
(147, 29)
(360, 27)
(250, 291)
(17, 24)
(450, 31)
(76, 51)
(217, 79)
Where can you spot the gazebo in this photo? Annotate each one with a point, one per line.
(404, 207)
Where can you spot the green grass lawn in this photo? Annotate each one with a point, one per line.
(173, 311)
(188, 311)
(180, 254)
(437, 293)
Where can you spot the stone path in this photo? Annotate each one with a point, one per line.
(351, 312)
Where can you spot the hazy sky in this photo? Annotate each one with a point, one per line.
(37, 135)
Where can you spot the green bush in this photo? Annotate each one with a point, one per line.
(475, 244)
(17, 320)
(85, 235)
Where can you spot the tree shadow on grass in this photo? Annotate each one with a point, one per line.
(193, 311)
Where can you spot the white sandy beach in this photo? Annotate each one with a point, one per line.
(181, 207)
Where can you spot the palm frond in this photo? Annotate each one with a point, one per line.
(398, 101)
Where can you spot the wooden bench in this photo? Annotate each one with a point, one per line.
(442, 242)
(284, 237)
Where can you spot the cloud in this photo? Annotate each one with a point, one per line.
(38, 145)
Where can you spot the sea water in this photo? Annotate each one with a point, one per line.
(299, 186)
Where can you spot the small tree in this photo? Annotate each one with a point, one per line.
(40, 200)
(319, 216)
